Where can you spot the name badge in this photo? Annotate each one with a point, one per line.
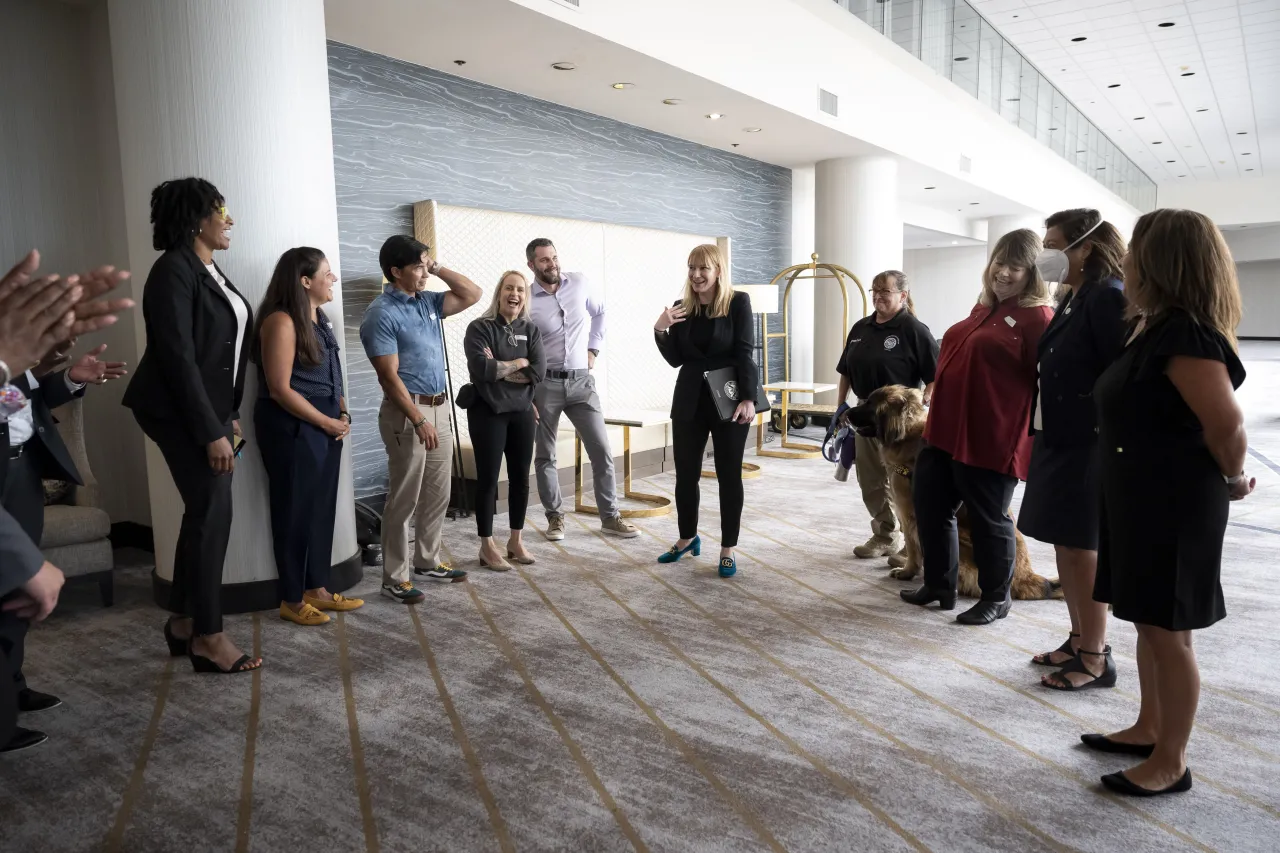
(522, 337)
(433, 317)
(1012, 322)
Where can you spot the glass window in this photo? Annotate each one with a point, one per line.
(936, 19)
(1012, 69)
(965, 34)
(990, 56)
(902, 24)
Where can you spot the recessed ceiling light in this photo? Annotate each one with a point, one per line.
(1113, 86)
(1052, 128)
(751, 130)
(563, 66)
(1139, 118)
(1203, 110)
(459, 62)
(1157, 143)
(672, 102)
(957, 242)
(1247, 154)
(975, 202)
(1100, 168)
(1182, 176)
(734, 144)
(624, 85)
(1248, 170)
(1171, 161)
(1242, 133)
(1013, 99)
(715, 116)
(961, 59)
(1080, 38)
(1188, 73)
(1166, 24)
(931, 188)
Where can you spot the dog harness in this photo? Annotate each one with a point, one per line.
(901, 471)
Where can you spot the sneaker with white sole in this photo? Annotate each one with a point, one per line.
(875, 547)
(443, 573)
(555, 528)
(405, 593)
(615, 526)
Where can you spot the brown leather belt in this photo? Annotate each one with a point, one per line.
(424, 400)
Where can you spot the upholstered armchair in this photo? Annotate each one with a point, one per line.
(76, 530)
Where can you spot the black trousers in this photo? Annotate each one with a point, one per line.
(23, 498)
(938, 486)
(689, 440)
(206, 524)
(493, 435)
(302, 463)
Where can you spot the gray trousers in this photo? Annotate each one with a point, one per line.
(575, 397)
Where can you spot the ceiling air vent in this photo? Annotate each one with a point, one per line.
(573, 4)
(828, 103)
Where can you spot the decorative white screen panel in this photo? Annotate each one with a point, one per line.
(636, 270)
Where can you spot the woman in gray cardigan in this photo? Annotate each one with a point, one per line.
(505, 361)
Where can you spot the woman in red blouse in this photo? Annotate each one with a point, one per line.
(977, 445)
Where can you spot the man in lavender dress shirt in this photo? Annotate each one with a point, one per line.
(571, 320)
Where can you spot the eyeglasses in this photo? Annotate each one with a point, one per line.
(876, 291)
(222, 211)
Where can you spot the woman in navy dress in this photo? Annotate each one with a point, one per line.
(1172, 450)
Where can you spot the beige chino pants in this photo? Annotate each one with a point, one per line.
(418, 488)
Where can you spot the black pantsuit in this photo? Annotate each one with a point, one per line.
(206, 525)
(729, 443)
(303, 463)
(494, 435)
(939, 485)
(24, 500)
(698, 345)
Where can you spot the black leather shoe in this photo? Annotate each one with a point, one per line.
(23, 739)
(1102, 743)
(1120, 783)
(30, 701)
(985, 612)
(924, 595)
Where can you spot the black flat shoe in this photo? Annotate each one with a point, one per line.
(23, 739)
(1102, 743)
(1120, 783)
(924, 595)
(31, 701)
(985, 612)
(177, 646)
(1076, 665)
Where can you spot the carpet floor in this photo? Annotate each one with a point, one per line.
(599, 701)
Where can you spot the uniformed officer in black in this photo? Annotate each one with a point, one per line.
(889, 347)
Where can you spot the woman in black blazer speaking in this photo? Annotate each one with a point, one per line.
(708, 329)
(186, 396)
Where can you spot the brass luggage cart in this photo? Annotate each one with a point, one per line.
(797, 415)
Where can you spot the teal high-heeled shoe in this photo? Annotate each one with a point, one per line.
(694, 547)
(728, 567)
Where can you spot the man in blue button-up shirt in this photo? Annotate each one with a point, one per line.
(401, 334)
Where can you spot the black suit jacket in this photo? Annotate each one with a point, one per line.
(1086, 334)
(52, 392)
(185, 375)
(732, 341)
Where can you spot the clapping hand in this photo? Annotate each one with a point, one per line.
(89, 369)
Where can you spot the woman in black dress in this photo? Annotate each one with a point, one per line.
(1171, 456)
(718, 333)
(1082, 253)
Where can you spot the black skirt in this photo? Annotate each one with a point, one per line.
(1060, 504)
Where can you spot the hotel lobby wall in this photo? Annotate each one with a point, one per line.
(403, 133)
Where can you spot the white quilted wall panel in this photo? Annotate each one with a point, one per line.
(637, 270)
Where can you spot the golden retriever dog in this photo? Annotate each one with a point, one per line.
(899, 415)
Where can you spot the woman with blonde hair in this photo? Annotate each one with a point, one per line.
(976, 442)
(505, 361)
(1172, 452)
(709, 329)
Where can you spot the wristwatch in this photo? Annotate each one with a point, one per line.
(1231, 481)
(346, 415)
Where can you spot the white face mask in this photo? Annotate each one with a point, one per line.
(1054, 263)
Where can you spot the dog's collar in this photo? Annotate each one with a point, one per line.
(900, 470)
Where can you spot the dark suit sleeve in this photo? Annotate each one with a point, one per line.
(169, 304)
(20, 559)
(537, 358)
(55, 392)
(744, 343)
(669, 346)
(926, 353)
(1108, 325)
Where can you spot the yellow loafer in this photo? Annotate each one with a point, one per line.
(338, 602)
(307, 615)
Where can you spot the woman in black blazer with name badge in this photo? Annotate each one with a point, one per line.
(710, 328)
(186, 397)
(1060, 506)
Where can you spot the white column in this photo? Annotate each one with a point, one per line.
(998, 226)
(857, 226)
(236, 92)
(802, 246)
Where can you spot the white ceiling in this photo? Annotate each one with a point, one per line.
(1216, 124)
(915, 237)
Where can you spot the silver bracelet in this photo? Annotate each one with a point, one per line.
(1232, 481)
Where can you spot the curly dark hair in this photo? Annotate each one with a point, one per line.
(177, 208)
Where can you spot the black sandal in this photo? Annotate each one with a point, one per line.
(200, 663)
(177, 646)
(1076, 665)
(1043, 659)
